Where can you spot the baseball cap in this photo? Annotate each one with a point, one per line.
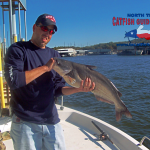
(46, 20)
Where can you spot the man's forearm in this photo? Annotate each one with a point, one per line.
(34, 73)
(69, 90)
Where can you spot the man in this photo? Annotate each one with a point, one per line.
(33, 84)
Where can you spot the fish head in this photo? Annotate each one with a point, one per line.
(61, 66)
(132, 33)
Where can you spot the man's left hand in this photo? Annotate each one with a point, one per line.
(86, 86)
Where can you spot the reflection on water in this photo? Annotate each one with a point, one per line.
(131, 75)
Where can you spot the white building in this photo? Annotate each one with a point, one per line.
(67, 52)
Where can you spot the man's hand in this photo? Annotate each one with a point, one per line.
(50, 64)
(34, 73)
(87, 86)
(84, 87)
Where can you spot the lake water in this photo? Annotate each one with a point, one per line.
(131, 75)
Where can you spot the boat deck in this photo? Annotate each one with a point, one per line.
(77, 138)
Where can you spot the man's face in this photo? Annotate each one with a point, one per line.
(40, 38)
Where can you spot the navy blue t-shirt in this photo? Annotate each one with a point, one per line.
(33, 102)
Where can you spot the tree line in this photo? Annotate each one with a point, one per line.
(109, 45)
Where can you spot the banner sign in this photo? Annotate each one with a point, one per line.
(118, 21)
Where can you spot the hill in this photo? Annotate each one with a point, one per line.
(110, 45)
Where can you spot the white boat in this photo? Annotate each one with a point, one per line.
(70, 52)
(81, 134)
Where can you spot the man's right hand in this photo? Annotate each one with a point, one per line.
(34, 73)
(50, 64)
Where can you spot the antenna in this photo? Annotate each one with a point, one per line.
(7, 40)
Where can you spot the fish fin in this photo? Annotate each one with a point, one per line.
(104, 100)
(91, 67)
(119, 94)
(140, 27)
(120, 113)
(72, 80)
(69, 79)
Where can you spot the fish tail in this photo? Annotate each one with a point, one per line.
(120, 113)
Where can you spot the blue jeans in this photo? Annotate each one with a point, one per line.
(31, 136)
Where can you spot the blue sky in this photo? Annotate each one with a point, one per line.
(82, 22)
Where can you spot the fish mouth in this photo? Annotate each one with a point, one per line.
(60, 71)
(66, 71)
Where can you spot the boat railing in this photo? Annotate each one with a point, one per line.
(142, 140)
(61, 107)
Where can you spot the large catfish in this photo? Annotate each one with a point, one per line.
(104, 90)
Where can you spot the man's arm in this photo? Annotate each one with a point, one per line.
(35, 73)
(87, 87)
(14, 68)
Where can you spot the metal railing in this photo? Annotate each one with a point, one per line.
(1, 80)
(61, 107)
(142, 140)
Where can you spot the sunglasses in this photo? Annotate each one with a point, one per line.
(45, 29)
